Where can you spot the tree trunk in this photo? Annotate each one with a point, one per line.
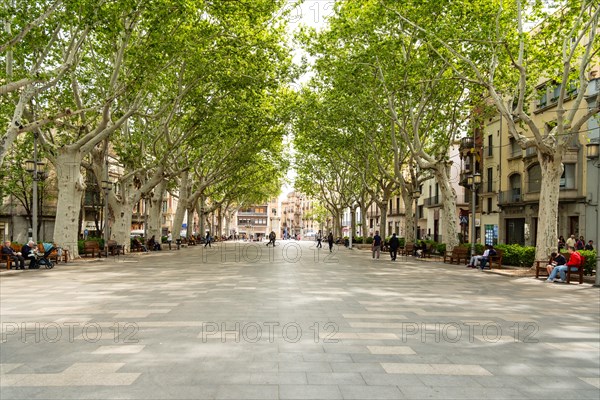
(155, 210)
(70, 191)
(410, 220)
(190, 221)
(120, 229)
(547, 237)
(363, 217)
(383, 207)
(449, 219)
(352, 222)
(181, 206)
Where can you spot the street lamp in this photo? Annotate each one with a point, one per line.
(36, 168)
(473, 180)
(106, 186)
(594, 156)
(416, 195)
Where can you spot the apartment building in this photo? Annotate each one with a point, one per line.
(511, 177)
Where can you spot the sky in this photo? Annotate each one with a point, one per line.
(311, 13)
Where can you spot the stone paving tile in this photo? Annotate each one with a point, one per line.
(340, 378)
(355, 392)
(440, 323)
(300, 392)
(249, 392)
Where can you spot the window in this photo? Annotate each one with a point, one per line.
(164, 207)
(555, 93)
(515, 149)
(489, 205)
(542, 97)
(397, 204)
(490, 147)
(490, 177)
(567, 179)
(534, 178)
(515, 188)
(371, 223)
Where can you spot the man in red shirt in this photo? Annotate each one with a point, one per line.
(573, 263)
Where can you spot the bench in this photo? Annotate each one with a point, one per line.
(428, 252)
(91, 247)
(497, 259)
(580, 270)
(113, 248)
(407, 250)
(6, 258)
(458, 253)
(541, 266)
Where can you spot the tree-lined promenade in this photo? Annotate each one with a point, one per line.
(194, 99)
(186, 97)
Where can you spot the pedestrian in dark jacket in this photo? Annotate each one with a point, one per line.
(394, 244)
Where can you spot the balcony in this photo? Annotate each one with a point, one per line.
(510, 196)
(467, 143)
(242, 213)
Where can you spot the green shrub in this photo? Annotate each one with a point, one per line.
(441, 248)
(369, 240)
(402, 241)
(517, 255)
(590, 261)
(90, 239)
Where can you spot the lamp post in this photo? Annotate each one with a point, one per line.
(36, 168)
(106, 186)
(593, 154)
(416, 195)
(473, 180)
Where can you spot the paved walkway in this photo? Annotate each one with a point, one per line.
(294, 324)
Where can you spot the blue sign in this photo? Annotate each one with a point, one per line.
(464, 220)
(184, 226)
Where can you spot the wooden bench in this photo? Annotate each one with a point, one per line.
(458, 253)
(497, 259)
(91, 247)
(113, 248)
(580, 270)
(407, 250)
(428, 252)
(6, 258)
(540, 266)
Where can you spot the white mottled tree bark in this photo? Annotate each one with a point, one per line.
(70, 190)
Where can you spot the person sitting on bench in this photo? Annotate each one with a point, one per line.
(15, 256)
(573, 263)
(29, 251)
(556, 259)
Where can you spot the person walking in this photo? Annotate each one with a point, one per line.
(169, 239)
(319, 240)
(271, 238)
(207, 240)
(330, 241)
(376, 248)
(394, 244)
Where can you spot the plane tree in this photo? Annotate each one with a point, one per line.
(507, 60)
